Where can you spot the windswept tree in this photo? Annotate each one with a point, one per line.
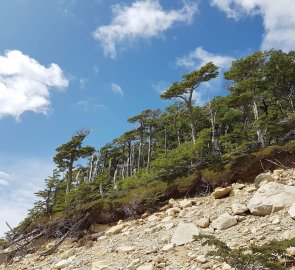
(185, 89)
(70, 152)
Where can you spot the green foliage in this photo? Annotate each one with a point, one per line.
(267, 256)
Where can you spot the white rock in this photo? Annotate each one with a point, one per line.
(168, 226)
(224, 221)
(168, 247)
(115, 229)
(64, 263)
(202, 259)
(292, 211)
(263, 178)
(271, 197)
(291, 251)
(239, 208)
(184, 234)
(172, 212)
(125, 249)
(185, 203)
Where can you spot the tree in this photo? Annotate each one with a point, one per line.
(71, 151)
(185, 89)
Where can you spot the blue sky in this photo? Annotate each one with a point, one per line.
(70, 64)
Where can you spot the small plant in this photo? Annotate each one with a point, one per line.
(270, 256)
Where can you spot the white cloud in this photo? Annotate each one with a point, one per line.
(117, 89)
(198, 58)
(4, 178)
(89, 105)
(278, 19)
(83, 82)
(144, 19)
(25, 84)
(26, 176)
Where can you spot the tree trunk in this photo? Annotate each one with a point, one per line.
(214, 139)
(70, 178)
(258, 130)
(192, 121)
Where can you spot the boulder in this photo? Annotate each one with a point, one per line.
(291, 251)
(292, 211)
(263, 178)
(64, 263)
(172, 212)
(115, 229)
(224, 221)
(125, 249)
(185, 203)
(271, 197)
(220, 193)
(239, 208)
(184, 234)
(203, 222)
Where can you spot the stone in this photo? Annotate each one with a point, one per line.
(168, 247)
(184, 234)
(220, 193)
(292, 211)
(125, 249)
(291, 251)
(68, 253)
(250, 189)
(203, 222)
(271, 197)
(168, 226)
(98, 265)
(172, 212)
(64, 263)
(146, 267)
(239, 208)
(202, 259)
(115, 229)
(238, 186)
(224, 221)
(185, 203)
(263, 178)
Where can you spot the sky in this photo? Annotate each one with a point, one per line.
(72, 64)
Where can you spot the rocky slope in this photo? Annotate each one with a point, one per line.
(238, 215)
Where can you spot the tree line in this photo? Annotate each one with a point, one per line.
(183, 138)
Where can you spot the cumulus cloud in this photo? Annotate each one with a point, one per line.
(144, 19)
(278, 19)
(25, 84)
(198, 58)
(117, 89)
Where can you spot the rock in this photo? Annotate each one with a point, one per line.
(202, 259)
(239, 208)
(250, 189)
(152, 218)
(168, 247)
(289, 234)
(64, 263)
(238, 186)
(184, 234)
(146, 267)
(291, 251)
(220, 193)
(99, 266)
(172, 212)
(168, 226)
(68, 253)
(263, 178)
(203, 222)
(292, 211)
(271, 197)
(115, 229)
(224, 221)
(125, 249)
(185, 203)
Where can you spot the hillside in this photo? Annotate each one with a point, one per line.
(239, 215)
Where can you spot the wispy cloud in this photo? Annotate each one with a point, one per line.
(144, 19)
(278, 19)
(83, 82)
(198, 58)
(117, 89)
(23, 178)
(89, 105)
(25, 84)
